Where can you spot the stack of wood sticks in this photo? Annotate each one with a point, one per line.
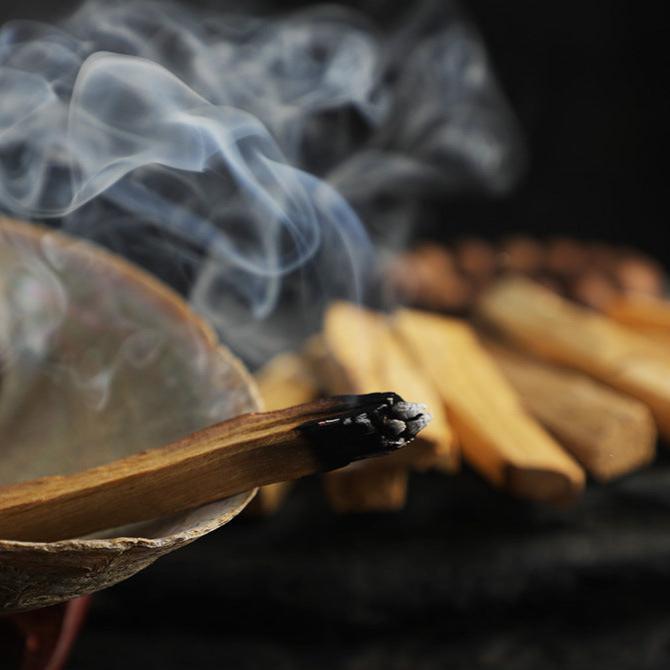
(533, 380)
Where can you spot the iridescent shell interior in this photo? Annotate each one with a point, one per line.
(97, 361)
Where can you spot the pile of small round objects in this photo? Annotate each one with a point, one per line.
(448, 278)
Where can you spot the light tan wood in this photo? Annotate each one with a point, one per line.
(565, 333)
(366, 355)
(284, 381)
(217, 462)
(609, 433)
(497, 435)
(645, 314)
(657, 337)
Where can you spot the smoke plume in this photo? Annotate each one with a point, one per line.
(255, 154)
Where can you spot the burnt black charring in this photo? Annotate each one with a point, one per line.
(377, 424)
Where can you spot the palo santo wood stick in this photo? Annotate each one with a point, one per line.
(361, 489)
(497, 435)
(284, 381)
(565, 333)
(643, 313)
(365, 356)
(609, 433)
(428, 275)
(357, 489)
(220, 461)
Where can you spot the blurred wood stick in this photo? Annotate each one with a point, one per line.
(365, 354)
(229, 458)
(560, 331)
(287, 380)
(365, 489)
(643, 313)
(428, 275)
(498, 436)
(609, 433)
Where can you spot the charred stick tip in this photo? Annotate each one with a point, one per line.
(376, 424)
(401, 421)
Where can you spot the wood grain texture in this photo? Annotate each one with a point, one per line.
(498, 436)
(557, 330)
(644, 314)
(220, 461)
(609, 433)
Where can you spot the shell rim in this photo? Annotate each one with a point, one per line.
(168, 299)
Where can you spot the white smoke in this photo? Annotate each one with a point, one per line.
(241, 143)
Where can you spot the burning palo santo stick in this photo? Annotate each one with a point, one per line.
(609, 433)
(497, 435)
(565, 333)
(223, 460)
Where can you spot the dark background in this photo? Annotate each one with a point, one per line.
(464, 578)
(587, 83)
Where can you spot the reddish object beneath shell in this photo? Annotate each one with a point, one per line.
(41, 639)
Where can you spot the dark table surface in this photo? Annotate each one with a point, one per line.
(463, 578)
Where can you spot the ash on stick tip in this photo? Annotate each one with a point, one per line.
(365, 426)
(400, 421)
(393, 420)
